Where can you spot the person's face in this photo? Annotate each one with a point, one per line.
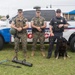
(20, 13)
(58, 14)
(38, 13)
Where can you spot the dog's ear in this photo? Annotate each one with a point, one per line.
(64, 40)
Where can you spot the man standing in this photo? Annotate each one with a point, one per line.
(57, 25)
(38, 29)
(20, 24)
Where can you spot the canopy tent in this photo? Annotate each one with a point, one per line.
(71, 12)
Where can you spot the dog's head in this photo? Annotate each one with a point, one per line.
(62, 41)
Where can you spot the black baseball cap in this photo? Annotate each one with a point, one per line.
(58, 11)
(20, 10)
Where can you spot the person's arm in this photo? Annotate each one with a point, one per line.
(44, 26)
(33, 26)
(51, 28)
(13, 25)
(65, 24)
(51, 31)
(26, 26)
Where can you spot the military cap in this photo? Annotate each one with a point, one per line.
(58, 11)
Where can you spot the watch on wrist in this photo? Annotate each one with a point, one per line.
(40, 28)
(22, 28)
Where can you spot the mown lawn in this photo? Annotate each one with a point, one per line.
(41, 65)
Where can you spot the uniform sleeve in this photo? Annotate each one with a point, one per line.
(51, 22)
(14, 21)
(65, 21)
(44, 20)
(25, 21)
(32, 20)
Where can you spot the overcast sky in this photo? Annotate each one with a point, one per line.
(11, 6)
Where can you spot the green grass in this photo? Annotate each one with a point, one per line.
(41, 65)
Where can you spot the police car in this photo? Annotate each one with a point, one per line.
(47, 13)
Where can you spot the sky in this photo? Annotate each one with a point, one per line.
(10, 6)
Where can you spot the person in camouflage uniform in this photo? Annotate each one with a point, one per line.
(20, 24)
(38, 25)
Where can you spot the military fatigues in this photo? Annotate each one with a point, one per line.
(38, 21)
(22, 35)
(58, 32)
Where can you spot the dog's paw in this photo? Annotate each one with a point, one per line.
(65, 58)
(56, 58)
(68, 56)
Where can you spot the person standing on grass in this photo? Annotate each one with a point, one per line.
(20, 23)
(38, 24)
(57, 25)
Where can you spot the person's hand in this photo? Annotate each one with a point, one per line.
(38, 28)
(51, 34)
(60, 25)
(19, 29)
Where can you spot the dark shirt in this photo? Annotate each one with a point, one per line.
(55, 22)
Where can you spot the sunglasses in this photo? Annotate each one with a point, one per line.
(38, 12)
(58, 12)
(20, 12)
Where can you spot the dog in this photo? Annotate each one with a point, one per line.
(62, 48)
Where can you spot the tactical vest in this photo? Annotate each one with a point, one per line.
(38, 22)
(20, 22)
(58, 21)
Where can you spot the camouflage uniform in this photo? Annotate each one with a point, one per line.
(38, 21)
(20, 22)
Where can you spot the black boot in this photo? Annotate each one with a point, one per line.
(48, 56)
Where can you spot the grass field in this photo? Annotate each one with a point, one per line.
(41, 65)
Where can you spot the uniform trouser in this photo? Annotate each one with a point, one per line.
(41, 37)
(23, 39)
(51, 44)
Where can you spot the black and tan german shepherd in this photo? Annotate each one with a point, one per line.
(62, 48)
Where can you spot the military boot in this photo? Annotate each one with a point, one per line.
(26, 55)
(43, 53)
(33, 53)
(65, 58)
(16, 56)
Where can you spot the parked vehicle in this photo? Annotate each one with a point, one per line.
(6, 37)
